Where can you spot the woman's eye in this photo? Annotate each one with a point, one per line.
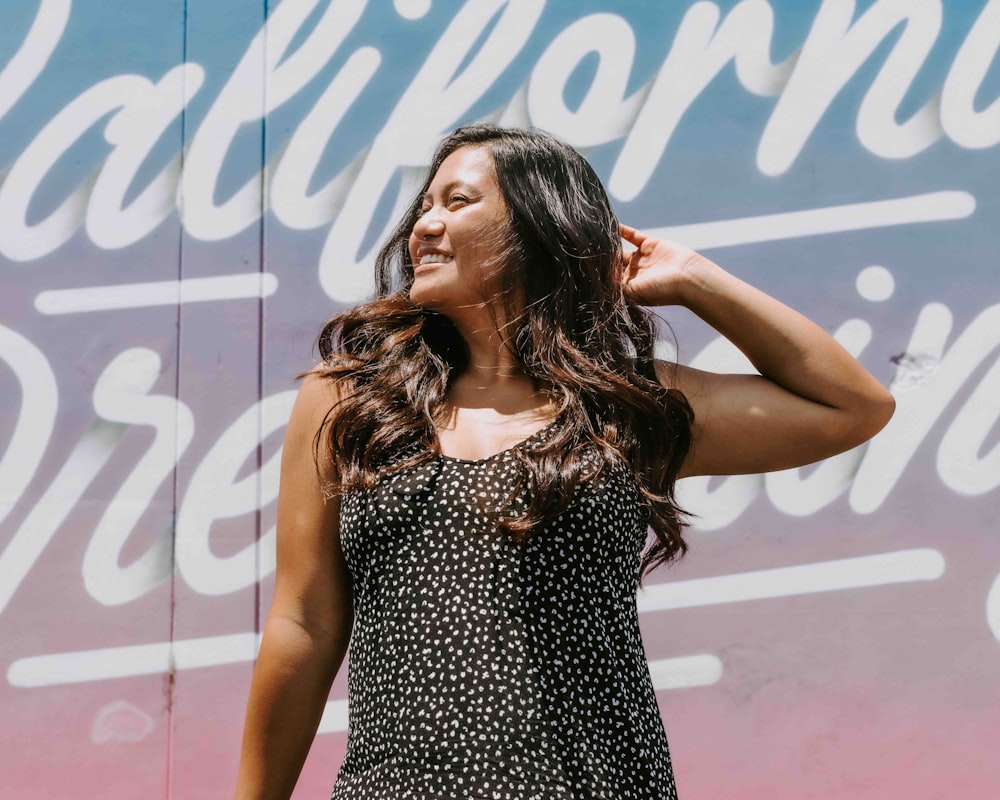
(457, 199)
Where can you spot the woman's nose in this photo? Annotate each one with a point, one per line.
(428, 224)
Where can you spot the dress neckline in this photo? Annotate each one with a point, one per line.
(530, 439)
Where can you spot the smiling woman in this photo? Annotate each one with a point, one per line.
(469, 477)
(459, 239)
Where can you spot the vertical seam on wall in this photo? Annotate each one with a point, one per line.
(262, 265)
(177, 394)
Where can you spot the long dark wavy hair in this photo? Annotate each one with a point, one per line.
(568, 324)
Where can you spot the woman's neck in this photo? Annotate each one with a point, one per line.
(492, 377)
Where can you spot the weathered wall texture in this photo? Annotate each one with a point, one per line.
(191, 187)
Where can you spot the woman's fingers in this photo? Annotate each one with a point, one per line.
(631, 235)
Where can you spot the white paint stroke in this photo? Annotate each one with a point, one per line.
(121, 721)
(685, 672)
(902, 566)
(850, 573)
(82, 666)
(334, 717)
(34, 53)
(931, 207)
(667, 673)
(153, 659)
(157, 293)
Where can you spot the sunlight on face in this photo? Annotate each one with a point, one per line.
(457, 243)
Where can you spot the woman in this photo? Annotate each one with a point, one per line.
(469, 476)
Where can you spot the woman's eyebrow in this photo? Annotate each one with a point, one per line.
(449, 187)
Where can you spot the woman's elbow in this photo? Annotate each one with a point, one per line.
(883, 407)
(867, 420)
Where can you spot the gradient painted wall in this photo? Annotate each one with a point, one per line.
(191, 187)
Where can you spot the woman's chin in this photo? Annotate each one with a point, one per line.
(425, 297)
(419, 296)
(443, 299)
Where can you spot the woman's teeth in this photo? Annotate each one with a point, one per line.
(434, 258)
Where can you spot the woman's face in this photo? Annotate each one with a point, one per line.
(457, 241)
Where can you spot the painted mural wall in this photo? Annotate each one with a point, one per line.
(191, 187)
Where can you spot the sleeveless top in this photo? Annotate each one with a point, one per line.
(483, 668)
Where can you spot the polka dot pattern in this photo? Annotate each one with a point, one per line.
(481, 668)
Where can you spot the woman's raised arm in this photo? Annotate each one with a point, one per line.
(811, 400)
(309, 624)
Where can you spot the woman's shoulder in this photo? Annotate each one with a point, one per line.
(319, 397)
(321, 388)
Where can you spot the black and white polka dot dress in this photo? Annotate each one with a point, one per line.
(483, 668)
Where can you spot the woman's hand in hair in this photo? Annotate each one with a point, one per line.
(658, 270)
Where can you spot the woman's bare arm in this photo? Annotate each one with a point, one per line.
(812, 399)
(309, 624)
